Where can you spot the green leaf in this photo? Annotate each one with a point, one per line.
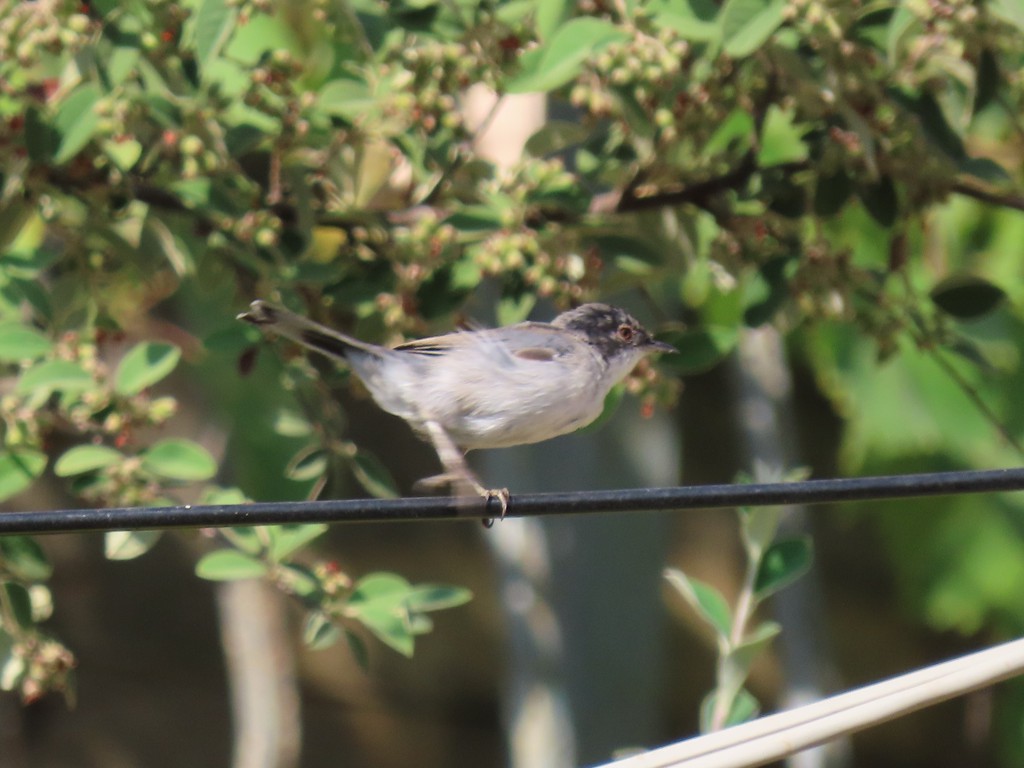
(734, 134)
(743, 709)
(933, 121)
(54, 376)
(755, 643)
(561, 58)
(693, 20)
(551, 14)
(229, 565)
(12, 671)
(700, 349)
(289, 538)
(218, 495)
(881, 201)
(123, 60)
(124, 153)
(144, 365)
(986, 169)
(391, 627)
(759, 526)
(970, 351)
(266, 32)
(783, 563)
(20, 601)
(475, 218)
(420, 623)
(634, 265)
(309, 463)
(358, 649)
(632, 255)
(704, 599)
(988, 79)
(346, 98)
(556, 136)
(194, 192)
(41, 138)
(902, 21)
(230, 341)
(245, 537)
(696, 284)
(379, 601)
(26, 263)
(214, 21)
(320, 632)
(781, 139)
(24, 559)
(784, 195)
(831, 193)
(747, 24)
(76, 121)
(21, 237)
(446, 289)
(967, 297)
(373, 475)
(770, 290)
(383, 588)
(127, 545)
(296, 579)
(514, 309)
(288, 423)
(20, 342)
(243, 139)
(86, 458)
(437, 597)
(179, 459)
(1010, 11)
(19, 467)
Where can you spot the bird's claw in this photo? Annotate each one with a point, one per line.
(466, 487)
(503, 497)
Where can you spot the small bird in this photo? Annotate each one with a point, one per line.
(488, 388)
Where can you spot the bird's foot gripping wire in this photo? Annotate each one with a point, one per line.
(502, 496)
(466, 487)
(458, 475)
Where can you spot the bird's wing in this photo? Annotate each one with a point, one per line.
(540, 354)
(500, 346)
(537, 342)
(434, 345)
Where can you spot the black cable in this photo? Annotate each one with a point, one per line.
(526, 505)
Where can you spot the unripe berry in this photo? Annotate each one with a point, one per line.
(191, 145)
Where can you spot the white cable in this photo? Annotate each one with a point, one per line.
(775, 736)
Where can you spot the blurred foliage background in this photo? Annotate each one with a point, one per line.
(844, 175)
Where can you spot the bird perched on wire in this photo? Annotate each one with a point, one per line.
(489, 388)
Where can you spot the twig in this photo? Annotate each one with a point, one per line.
(460, 154)
(976, 399)
(963, 186)
(697, 194)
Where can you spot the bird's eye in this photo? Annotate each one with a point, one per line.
(625, 333)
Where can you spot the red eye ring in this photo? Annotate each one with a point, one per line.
(625, 333)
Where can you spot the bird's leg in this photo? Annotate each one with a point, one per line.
(457, 473)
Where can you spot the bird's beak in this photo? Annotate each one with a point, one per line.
(661, 346)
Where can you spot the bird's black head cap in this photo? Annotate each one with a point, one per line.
(609, 328)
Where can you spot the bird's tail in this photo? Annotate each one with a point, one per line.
(304, 331)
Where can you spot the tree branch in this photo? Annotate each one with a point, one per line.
(970, 188)
(628, 200)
